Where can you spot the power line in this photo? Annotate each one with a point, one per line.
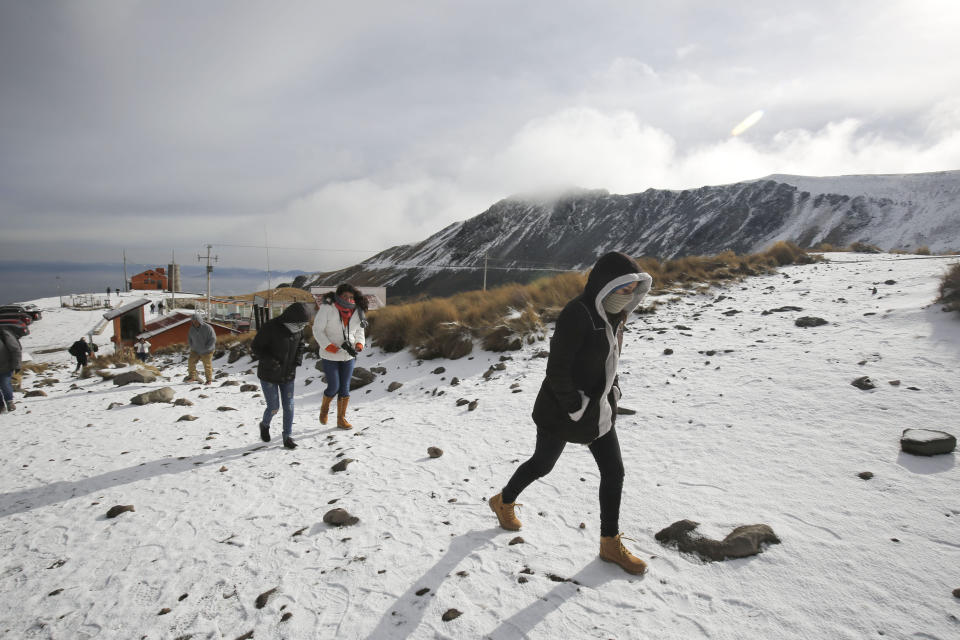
(261, 246)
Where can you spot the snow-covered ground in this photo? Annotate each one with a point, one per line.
(765, 428)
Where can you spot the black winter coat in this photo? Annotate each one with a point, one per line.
(584, 352)
(10, 351)
(279, 350)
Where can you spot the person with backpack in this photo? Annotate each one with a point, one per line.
(79, 350)
(338, 329)
(578, 399)
(279, 348)
(10, 361)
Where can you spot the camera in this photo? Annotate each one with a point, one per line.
(349, 348)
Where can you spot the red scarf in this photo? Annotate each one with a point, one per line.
(345, 314)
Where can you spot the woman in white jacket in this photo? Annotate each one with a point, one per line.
(338, 329)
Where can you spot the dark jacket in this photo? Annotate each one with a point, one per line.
(584, 352)
(279, 350)
(10, 351)
(79, 348)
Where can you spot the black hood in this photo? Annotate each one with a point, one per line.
(609, 267)
(297, 312)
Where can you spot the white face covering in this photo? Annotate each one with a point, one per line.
(615, 302)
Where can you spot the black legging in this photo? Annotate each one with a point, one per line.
(605, 450)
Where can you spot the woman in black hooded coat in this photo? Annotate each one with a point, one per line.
(279, 347)
(578, 398)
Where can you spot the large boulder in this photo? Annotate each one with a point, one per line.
(741, 542)
(236, 353)
(361, 378)
(927, 442)
(137, 375)
(164, 394)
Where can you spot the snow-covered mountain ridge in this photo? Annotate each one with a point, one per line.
(891, 211)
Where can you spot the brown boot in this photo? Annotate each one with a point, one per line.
(612, 550)
(506, 516)
(324, 408)
(342, 413)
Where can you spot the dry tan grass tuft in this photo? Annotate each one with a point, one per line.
(950, 288)
(863, 247)
(35, 367)
(505, 317)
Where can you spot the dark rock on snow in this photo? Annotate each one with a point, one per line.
(434, 452)
(451, 614)
(361, 378)
(35, 393)
(249, 387)
(864, 383)
(164, 394)
(186, 418)
(927, 442)
(140, 375)
(342, 465)
(264, 598)
(865, 475)
(394, 386)
(116, 510)
(182, 402)
(810, 321)
(340, 517)
(741, 542)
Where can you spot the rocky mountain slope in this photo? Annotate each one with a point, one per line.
(520, 237)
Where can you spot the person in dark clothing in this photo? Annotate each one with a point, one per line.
(579, 395)
(79, 350)
(279, 347)
(10, 361)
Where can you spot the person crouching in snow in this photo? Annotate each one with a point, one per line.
(578, 398)
(338, 329)
(79, 350)
(279, 347)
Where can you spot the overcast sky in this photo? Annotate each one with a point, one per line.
(166, 125)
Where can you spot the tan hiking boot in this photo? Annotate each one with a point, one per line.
(325, 408)
(612, 550)
(342, 413)
(506, 516)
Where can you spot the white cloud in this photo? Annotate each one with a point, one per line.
(588, 148)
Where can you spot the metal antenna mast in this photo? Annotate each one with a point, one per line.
(208, 257)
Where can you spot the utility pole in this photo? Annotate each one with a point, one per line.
(208, 257)
(266, 245)
(170, 279)
(484, 272)
(124, 271)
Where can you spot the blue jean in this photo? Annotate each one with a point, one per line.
(338, 374)
(6, 387)
(274, 393)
